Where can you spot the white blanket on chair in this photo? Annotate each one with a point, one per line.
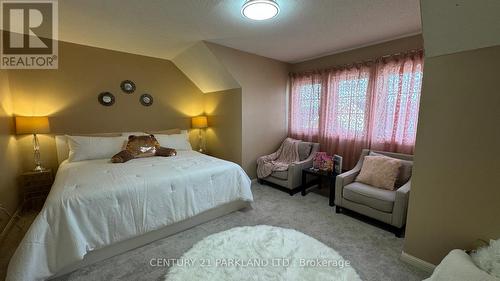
(287, 154)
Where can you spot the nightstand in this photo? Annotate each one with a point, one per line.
(35, 187)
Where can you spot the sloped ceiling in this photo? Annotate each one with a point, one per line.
(303, 29)
(204, 69)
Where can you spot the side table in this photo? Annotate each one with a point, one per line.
(36, 186)
(319, 174)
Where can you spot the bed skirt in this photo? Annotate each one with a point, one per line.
(139, 241)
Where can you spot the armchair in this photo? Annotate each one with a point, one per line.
(388, 206)
(291, 180)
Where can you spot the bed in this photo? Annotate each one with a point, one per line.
(97, 209)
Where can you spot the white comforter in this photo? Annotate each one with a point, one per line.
(95, 203)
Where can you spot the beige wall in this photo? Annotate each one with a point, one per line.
(263, 82)
(455, 185)
(364, 53)
(452, 26)
(224, 135)
(9, 163)
(69, 96)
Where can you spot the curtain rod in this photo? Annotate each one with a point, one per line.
(410, 52)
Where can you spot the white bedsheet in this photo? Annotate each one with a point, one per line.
(95, 203)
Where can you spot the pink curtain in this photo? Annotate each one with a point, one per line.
(344, 119)
(396, 102)
(373, 105)
(305, 105)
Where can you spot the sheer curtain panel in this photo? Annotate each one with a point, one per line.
(367, 105)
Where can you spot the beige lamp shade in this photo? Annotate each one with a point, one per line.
(199, 122)
(32, 125)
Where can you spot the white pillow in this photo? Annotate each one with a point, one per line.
(175, 141)
(88, 148)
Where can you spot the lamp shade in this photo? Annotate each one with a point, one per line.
(32, 125)
(199, 122)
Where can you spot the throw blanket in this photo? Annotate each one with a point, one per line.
(458, 266)
(287, 154)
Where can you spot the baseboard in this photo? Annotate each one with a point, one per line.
(416, 262)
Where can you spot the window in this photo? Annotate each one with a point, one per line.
(347, 109)
(351, 105)
(397, 107)
(309, 101)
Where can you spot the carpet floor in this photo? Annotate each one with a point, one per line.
(373, 252)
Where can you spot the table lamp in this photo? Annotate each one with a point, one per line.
(33, 125)
(200, 123)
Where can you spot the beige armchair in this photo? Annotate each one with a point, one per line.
(388, 206)
(291, 180)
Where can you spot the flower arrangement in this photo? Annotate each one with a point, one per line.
(323, 162)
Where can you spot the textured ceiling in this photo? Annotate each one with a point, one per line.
(303, 29)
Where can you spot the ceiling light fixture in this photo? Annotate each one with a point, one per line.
(260, 9)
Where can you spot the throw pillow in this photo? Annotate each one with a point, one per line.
(165, 152)
(122, 157)
(304, 150)
(404, 171)
(142, 146)
(379, 171)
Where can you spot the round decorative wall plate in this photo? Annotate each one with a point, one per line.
(146, 100)
(127, 86)
(106, 98)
